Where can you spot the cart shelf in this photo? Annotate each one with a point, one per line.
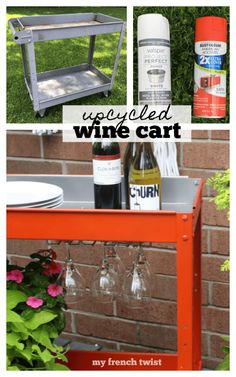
(179, 221)
(55, 87)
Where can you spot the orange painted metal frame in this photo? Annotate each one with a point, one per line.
(121, 225)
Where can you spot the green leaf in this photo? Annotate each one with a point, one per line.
(27, 354)
(39, 319)
(45, 355)
(13, 340)
(13, 317)
(42, 336)
(19, 327)
(27, 313)
(14, 297)
(225, 364)
(12, 368)
(226, 338)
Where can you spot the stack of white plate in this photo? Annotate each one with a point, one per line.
(27, 194)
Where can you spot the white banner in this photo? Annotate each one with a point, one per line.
(118, 123)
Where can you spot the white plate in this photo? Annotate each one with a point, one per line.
(40, 204)
(30, 193)
(49, 205)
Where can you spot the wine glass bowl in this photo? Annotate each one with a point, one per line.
(136, 289)
(73, 283)
(104, 287)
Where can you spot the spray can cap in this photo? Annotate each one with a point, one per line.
(153, 25)
(211, 28)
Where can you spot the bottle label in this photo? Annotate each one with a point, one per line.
(210, 80)
(144, 197)
(107, 170)
(154, 71)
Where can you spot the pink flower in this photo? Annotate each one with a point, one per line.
(15, 275)
(52, 268)
(55, 290)
(34, 302)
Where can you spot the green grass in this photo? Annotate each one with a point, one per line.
(182, 24)
(57, 54)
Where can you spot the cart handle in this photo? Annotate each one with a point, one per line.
(15, 24)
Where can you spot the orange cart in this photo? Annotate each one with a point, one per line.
(179, 222)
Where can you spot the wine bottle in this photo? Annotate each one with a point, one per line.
(107, 175)
(127, 162)
(145, 180)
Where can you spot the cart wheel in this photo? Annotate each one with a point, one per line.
(40, 113)
(107, 93)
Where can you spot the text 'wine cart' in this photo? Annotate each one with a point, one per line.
(179, 222)
(54, 87)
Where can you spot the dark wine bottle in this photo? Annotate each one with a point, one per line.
(107, 175)
(127, 162)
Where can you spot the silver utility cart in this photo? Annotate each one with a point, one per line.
(51, 88)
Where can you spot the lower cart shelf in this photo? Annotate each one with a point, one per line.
(66, 84)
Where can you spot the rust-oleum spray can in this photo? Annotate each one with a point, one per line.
(154, 78)
(209, 74)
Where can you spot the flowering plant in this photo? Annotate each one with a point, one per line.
(35, 315)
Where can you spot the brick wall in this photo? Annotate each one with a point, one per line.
(116, 326)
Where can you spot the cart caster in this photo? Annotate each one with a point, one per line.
(107, 93)
(40, 113)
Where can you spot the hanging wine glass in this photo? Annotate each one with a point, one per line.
(142, 261)
(72, 280)
(105, 283)
(136, 288)
(114, 262)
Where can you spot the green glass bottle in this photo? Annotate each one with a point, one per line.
(145, 180)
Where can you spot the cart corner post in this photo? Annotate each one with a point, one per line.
(188, 247)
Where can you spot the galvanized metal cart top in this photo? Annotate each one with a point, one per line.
(62, 26)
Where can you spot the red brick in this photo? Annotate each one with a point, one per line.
(107, 328)
(68, 316)
(209, 363)
(158, 336)
(205, 293)
(205, 245)
(25, 247)
(220, 295)
(157, 312)
(54, 148)
(33, 167)
(212, 216)
(215, 320)
(220, 241)
(18, 261)
(164, 287)
(199, 134)
(88, 304)
(79, 168)
(211, 269)
(206, 155)
(162, 262)
(162, 245)
(205, 343)
(23, 145)
(191, 173)
(216, 344)
(220, 134)
(83, 254)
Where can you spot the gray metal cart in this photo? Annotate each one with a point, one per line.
(51, 88)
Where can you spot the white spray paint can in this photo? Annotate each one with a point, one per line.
(154, 75)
